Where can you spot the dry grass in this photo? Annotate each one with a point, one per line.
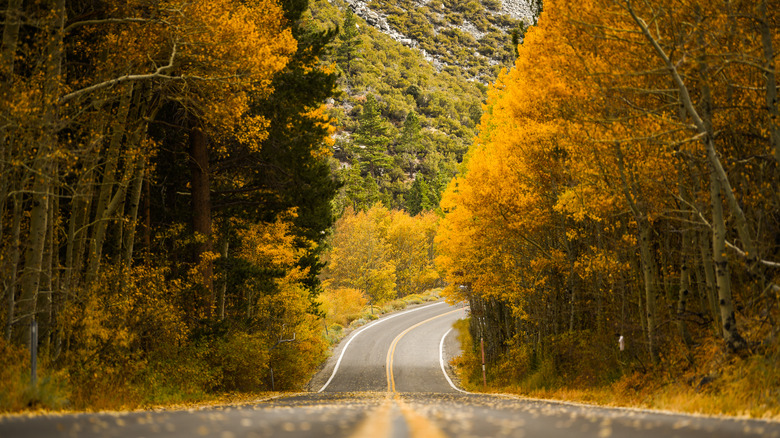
(709, 383)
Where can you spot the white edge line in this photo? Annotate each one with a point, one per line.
(441, 362)
(344, 350)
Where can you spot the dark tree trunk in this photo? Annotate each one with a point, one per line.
(201, 208)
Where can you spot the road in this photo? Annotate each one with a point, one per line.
(387, 379)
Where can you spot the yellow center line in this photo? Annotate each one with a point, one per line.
(419, 426)
(391, 351)
(379, 422)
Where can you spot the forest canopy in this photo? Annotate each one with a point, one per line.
(624, 184)
(164, 187)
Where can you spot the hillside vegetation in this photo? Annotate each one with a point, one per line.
(404, 121)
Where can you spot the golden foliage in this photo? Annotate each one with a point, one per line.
(586, 142)
(382, 253)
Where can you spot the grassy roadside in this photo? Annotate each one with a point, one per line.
(711, 383)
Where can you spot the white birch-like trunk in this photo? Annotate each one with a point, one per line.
(13, 265)
(685, 290)
(41, 189)
(107, 186)
(651, 292)
(731, 335)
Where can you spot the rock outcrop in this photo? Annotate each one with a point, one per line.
(516, 9)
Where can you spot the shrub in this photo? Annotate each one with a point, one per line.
(240, 361)
(343, 305)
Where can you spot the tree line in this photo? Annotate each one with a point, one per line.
(164, 190)
(382, 254)
(624, 183)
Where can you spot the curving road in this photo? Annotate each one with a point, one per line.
(402, 349)
(388, 379)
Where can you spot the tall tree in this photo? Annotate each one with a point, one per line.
(371, 140)
(349, 42)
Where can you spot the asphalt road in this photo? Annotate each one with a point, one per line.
(387, 379)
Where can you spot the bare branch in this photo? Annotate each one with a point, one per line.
(159, 73)
(76, 24)
(736, 249)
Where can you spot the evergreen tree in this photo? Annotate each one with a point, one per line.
(290, 169)
(419, 197)
(408, 144)
(349, 42)
(371, 139)
(408, 140)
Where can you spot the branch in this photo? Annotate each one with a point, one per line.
(159, 73)
(745, 255)
(76, 24)
(738, 250)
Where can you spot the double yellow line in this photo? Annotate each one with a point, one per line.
(391, 352)
(379, 422)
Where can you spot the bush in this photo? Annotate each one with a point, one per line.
(12, 372)
(15, 391)
(343, 305)
(240, 361)
(180, 377)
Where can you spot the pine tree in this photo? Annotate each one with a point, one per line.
(419, 197)
(408, 140)
(290, 170)
(349, 42)
(371, 139)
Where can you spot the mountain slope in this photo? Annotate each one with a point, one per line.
(426, 74)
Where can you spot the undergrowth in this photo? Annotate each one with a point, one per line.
(703, 380)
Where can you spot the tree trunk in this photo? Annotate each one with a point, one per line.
(651, 292)
(223, 289)
(771, 78)
(201, 208)
(107, 186)
(137, 184)
(13, 13)
(684, 293)
(10, 38)
(46, 293)
(135, 202)
(33, 259)
(41, 196)
(705, 248)
(14, 264)
(147, 218)
(77, 228)
(734, 341)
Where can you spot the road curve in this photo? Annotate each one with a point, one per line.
(386, 379)
(401, 349)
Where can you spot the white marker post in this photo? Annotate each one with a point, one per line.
(34, 354)
(484, 376)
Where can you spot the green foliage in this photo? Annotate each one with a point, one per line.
(370, 140)
(420, 197)
(349, 41)
(16, 392)
(402, 83)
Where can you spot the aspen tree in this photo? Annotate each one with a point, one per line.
(42, 190)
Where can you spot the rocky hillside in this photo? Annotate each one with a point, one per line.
(476, 35)
(413, 76)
